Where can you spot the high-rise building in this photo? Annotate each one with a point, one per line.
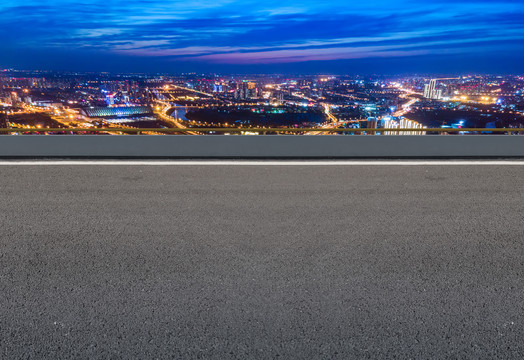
(246, 90)
(431, 92)
(110, 99)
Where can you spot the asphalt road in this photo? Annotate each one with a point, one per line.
(241, 262)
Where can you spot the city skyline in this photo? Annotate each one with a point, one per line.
(246, 36)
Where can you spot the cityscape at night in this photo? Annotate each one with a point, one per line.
(245, 64)
(248, 104)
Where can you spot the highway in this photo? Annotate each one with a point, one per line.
(293, 261)
(405, 107)
(332, 121)
(162, 113)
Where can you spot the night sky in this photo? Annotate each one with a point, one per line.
(346, 36)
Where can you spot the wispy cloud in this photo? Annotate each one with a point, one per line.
(249, 31)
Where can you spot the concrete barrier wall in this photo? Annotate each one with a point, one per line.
(276, 146)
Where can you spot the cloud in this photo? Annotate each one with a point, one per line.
(249, 31)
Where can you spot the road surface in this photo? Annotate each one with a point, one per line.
(266, 262)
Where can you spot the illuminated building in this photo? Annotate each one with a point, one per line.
(218, 88)
(117, 111)
(410, 124)
(431, 92)
(246, 90)
(110, 99)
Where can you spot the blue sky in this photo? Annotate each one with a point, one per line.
(375, 36)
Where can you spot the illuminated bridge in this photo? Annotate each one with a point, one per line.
(117, 111)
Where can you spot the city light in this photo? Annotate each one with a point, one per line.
(262, 101)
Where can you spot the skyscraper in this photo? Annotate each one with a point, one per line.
(430, 90)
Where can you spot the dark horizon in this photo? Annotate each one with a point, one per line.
(268, 71)
(434, 65)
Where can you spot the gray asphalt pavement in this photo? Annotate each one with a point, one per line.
(261, 262)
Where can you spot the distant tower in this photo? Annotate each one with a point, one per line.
(110, 99)
(431, 92)
(426, 91)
